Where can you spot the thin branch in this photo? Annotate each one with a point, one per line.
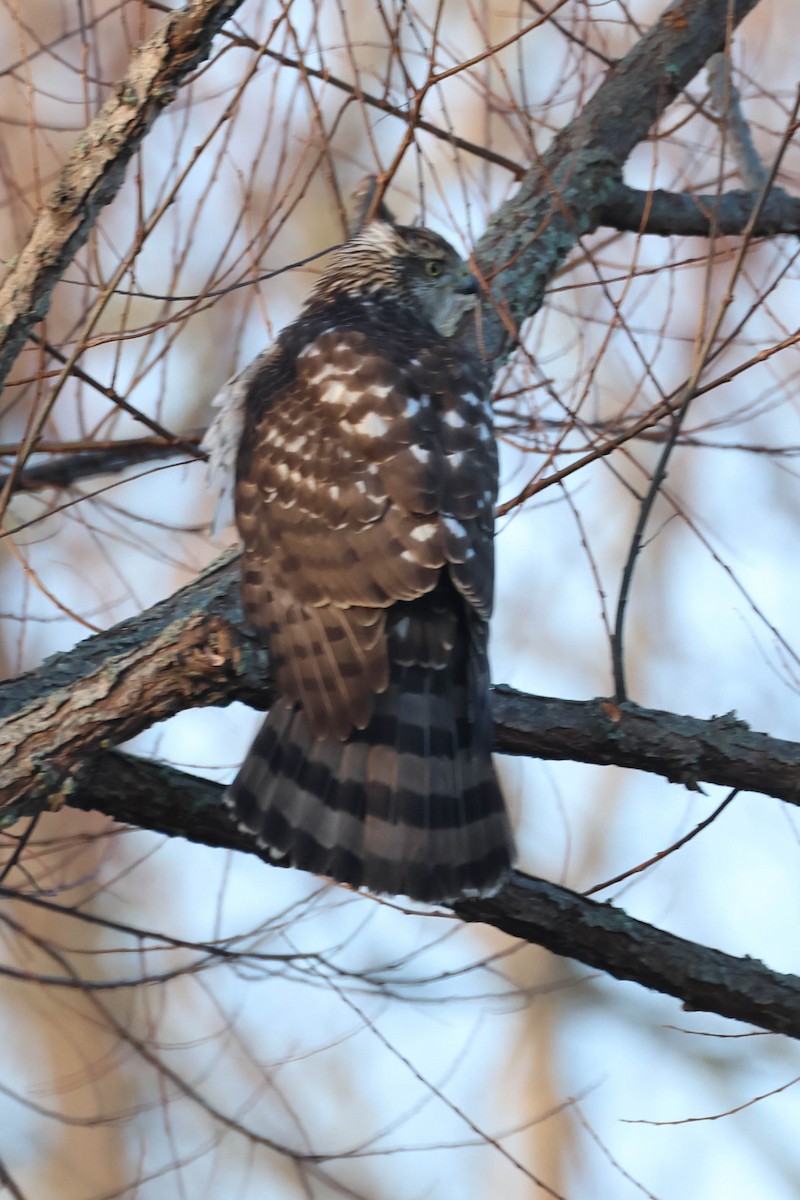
(406, 115)
(116, 398)
(701, 360)
(7, 1182)
(64, 471)
(726, 103)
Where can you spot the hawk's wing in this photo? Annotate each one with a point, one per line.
(361, 475)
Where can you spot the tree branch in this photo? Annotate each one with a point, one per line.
(184, 652)
(565, 195)
(167, 801)
(65, 470)
(605, 937)
(681, 213)
(193, 649)
(686, 750)
(95, 169)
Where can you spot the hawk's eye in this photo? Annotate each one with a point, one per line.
(433, 267)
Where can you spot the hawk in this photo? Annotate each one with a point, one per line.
(366, 476)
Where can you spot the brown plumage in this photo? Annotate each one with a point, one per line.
(366, 480)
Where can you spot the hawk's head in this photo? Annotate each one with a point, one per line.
(413, 267)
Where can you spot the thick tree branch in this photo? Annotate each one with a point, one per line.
(605, 937)
(194, 650)
(686, 750)
(601, 936)
(680, 213)
(565, 195)
(180, 654)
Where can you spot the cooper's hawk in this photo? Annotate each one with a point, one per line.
(365, 484)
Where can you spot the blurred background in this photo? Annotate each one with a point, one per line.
(183, 1021)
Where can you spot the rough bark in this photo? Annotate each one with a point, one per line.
(183, 653)
(669, 214)
(605, 937)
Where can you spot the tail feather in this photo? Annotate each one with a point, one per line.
(432, 828)
(410, 805)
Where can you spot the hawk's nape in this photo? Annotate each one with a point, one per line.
(366, 481)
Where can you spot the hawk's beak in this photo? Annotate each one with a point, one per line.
(470, 287)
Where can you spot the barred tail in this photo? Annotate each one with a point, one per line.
(410, 805)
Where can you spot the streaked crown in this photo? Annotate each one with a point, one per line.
(412, 266)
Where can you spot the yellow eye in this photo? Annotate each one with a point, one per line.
(433, 268)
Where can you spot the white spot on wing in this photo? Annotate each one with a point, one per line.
(371, 425)
(455, 527)
(424, 533)
(335, 392)
(380, 391)
(454, 419)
